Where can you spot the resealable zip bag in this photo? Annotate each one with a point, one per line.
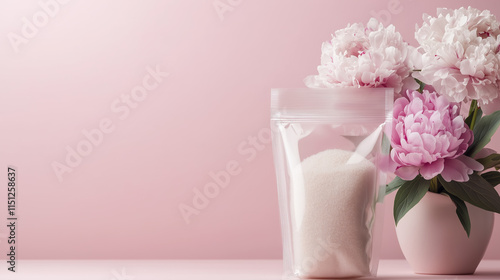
(330, 147)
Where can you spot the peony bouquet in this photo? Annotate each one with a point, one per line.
(439, 131)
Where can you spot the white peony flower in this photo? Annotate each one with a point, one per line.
(359, 56)
(460, 54)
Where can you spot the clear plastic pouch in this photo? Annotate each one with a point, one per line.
(328, 146)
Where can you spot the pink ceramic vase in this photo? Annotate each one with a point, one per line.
(434, 241)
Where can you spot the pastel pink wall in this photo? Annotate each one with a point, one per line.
(81, 70)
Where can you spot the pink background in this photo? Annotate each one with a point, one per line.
(210, 114)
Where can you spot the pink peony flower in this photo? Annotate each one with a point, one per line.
(359, 56)
(429, 137)
(461, 54)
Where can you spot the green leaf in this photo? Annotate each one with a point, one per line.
(462, 213)
(421, 85)
(479, 114)
(386, 144)
(408, 195)
(394, 185)
(490, 161)
(483, 131)
(477, 191)
(493, 177)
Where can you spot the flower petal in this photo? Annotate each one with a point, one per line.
(484, 153)
(459, 169)
(429, 171)
(471, 163)
(407, 173)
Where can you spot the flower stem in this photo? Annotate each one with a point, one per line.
(473, 111)
(434, 187)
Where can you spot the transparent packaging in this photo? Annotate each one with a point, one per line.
(329, 146)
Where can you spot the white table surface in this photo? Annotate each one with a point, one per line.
(199, 269)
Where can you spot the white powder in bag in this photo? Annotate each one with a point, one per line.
(332, 196)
